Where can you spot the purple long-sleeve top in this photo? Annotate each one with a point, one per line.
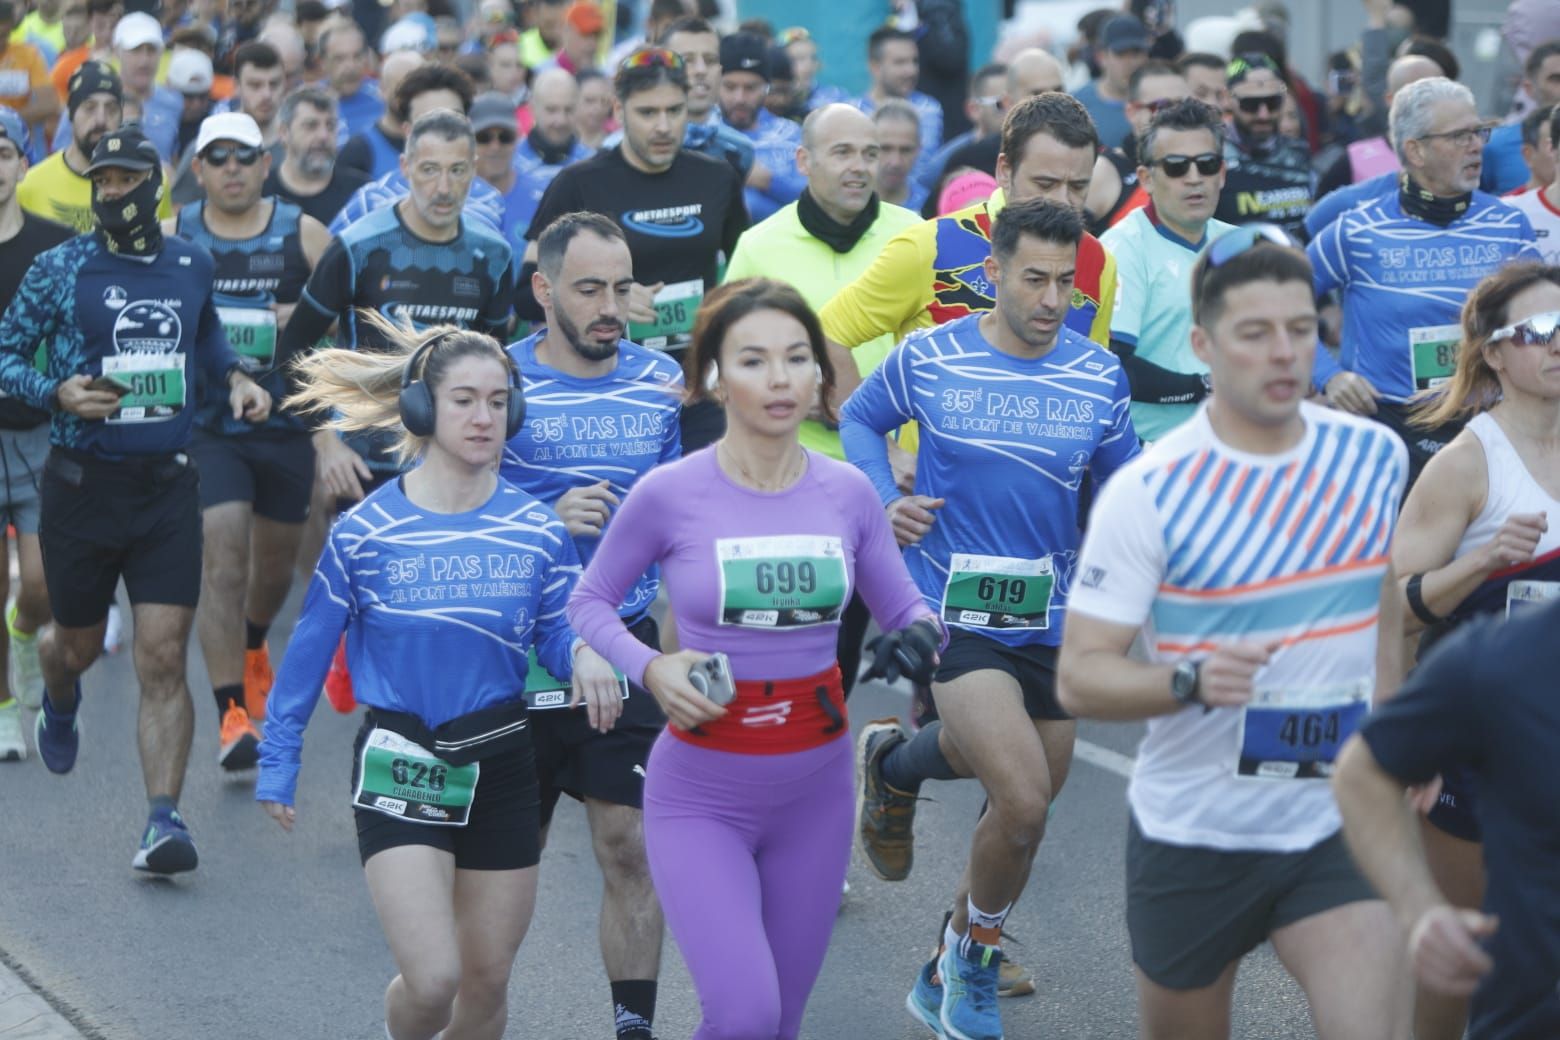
(707, 532)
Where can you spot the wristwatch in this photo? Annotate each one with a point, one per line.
(1183, 684)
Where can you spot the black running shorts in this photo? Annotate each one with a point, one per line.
(271, 470)
(1032, 667)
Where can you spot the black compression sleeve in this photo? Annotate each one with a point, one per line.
(1152, 384)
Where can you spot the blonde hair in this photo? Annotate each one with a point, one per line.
(360, 390)
(1475, 386)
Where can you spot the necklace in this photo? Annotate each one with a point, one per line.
(788, 477)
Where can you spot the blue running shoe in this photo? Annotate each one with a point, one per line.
(166, 847)
(58, 736)
(969, 1007)
(925, 1001)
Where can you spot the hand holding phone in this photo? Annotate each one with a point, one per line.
(712, 677)
(109, 385)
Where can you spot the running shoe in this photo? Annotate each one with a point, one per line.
(240, 741)
(969, 1007)
(166, 845)
(1014, 980)
(114, 631)
(258, 678)
(26, 672)
(885, 817)
(13, 746)
(924, 1001)
(338, 681)
(58, 736)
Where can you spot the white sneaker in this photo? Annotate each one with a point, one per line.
(13, 746)
(114, 634)
(26, 672)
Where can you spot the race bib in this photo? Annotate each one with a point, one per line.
(156, 383)
(1433, 354)
(998, 592)
(543, 691)
(1296, 734)
(252, 332)
(783, 581)
(676, 306)
(1522, 594)
(400, 778)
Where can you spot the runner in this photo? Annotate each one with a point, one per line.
(1404, 263)
(1013, 408)
(123, 307)
(679, 210)
(1542, 204)
(747, 805)
(601, 412)
(309, 173)
(255, 481)
(447, 563)
(1269, 176)
(1248, 692)
(24, 443)
(1476, 538)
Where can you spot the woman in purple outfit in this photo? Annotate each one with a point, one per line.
(749, 807)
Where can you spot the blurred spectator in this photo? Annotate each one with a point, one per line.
(899, 144)
(246, 18)
(774, 180)
(1504, 169)
(1370, 164)
(1158, 17)
(190, 73)
(1123, 49)
(283, 37)
(1297, 90)
(25, 87)
(1115, 190)
(521, 169)
(893, 60)
(377, 150)
(984, 107)
(44, 28)
(781, 99)
(346, 61)
(583, 24)
(505, 72)
(965, 189)
(542, 40)
(697, 43)
(1536, 149)
(1542, 204)
(661, 15)
(77, 19)
(802, 49)
(309, 174)
(593, 113)
(1204, 74)
(942, 43)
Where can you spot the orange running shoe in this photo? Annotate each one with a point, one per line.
(240, 741)
(258, 678)
(338, 681)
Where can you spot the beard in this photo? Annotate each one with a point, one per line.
(317, 162)
(590, 350)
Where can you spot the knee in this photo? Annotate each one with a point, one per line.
(1022, 817)
(621, 855)
(432, 987)
(485, 986)
(746, 1017)
(221, 567)
(161, 670)
(76, 651)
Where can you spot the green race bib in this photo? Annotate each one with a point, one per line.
(1433, 353)
(998, 592)
(544, 691)
(400, 778)
(156, 383)
(252, 332)
(781, 581)
(676, 306)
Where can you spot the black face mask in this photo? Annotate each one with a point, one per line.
(1432, 209)
(129, 223)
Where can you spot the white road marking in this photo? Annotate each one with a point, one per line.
(1105, 758)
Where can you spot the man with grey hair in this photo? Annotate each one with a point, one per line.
(309, 175)
(1404, 263)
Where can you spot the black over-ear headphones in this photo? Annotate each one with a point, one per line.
(417, 410)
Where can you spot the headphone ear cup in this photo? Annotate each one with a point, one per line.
(417, 409)
(516, 413)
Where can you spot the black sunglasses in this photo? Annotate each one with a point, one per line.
(1177, 166)
(1252, 105)
(219, 154)
(502, 136)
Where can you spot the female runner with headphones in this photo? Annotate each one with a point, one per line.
(446, 563)
(749, 807)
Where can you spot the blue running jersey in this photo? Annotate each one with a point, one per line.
(1404, 282)
(583, 431)
(439, 609)
(1006, 442)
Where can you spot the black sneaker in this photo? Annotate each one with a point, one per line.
(166, 845)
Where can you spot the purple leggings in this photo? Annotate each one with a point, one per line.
(748, 854)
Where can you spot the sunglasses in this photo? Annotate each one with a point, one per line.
(1178, 166)
(1252, 105)
(653, 57)
(1244, 238)
(1537, 331)
(795, 34)
(501, 136)
(219, 154)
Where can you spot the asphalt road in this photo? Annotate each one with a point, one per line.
(274, 935)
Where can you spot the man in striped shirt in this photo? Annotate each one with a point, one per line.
(1249, 548)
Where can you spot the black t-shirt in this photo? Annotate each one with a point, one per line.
(1271, 183)
(16, 256)
(675, 222)
(324, 205)
(1484, 699)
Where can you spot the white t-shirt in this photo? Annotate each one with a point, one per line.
(1544, 217)
(1202, 544)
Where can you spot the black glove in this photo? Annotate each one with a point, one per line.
(909, 651)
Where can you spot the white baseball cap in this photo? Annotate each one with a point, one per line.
(229, 126)
(135, 29)
(190, 71)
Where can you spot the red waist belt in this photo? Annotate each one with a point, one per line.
(776, 718)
